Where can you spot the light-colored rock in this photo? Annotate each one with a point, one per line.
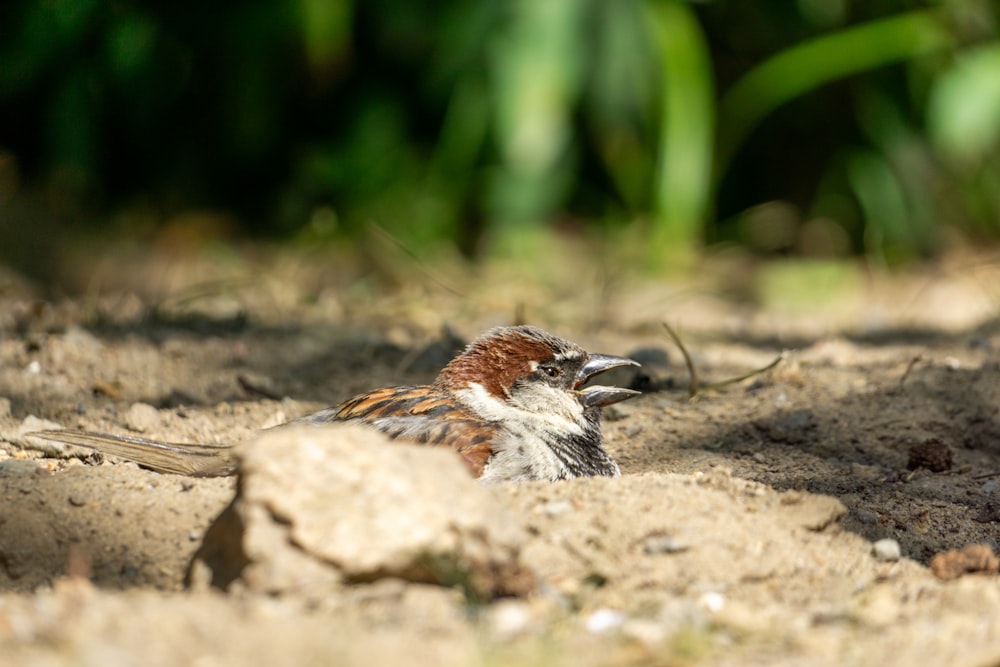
(812, 512)
(31, 424)
(886, 550)
(321, 507)
(142, 417)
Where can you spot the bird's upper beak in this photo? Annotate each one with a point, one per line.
(598, 363)
(597, 396)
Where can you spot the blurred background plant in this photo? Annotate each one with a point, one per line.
(814, 128)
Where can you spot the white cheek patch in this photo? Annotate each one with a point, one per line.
(484, 404)
(535, 405)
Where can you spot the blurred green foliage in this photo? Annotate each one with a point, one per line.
(810, 127)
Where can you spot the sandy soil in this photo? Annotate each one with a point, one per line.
(741, 532)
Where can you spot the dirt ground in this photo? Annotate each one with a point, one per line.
(741, 531)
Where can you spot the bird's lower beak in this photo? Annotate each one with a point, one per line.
(598, 396)
(598, 363)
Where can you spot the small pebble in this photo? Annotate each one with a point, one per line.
(712, 601)
(34, 367)
(142, 417)
(604, 619)
(886, 550)
(663, 544)
(509, 618)
(556, 507)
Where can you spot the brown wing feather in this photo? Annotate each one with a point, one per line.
(399, 401)
(423, 415)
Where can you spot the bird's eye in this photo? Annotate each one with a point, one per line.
(551, 371)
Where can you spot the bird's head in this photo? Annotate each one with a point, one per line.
(530, 370)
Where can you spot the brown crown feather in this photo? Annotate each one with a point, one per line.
(501, 356)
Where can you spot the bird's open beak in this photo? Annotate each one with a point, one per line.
(598, 363)
(597, 396)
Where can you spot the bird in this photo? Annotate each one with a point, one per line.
(512, 405)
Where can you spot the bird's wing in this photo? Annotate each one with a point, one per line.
(180, 459)
(422, 415)
(421, 401)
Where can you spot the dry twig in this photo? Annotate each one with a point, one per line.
(694, 386)
(692, 373)
(909, 367)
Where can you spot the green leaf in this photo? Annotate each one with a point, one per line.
(684, 170)
(963, 114)
(807, 66)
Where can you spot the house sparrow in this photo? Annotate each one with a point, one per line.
(511, 404)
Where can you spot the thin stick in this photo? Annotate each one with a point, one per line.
(909, 367)
(723, 383)
(694, 386)
(692, 373)
(387, 236)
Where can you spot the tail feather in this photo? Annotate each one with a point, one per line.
(180, 459)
